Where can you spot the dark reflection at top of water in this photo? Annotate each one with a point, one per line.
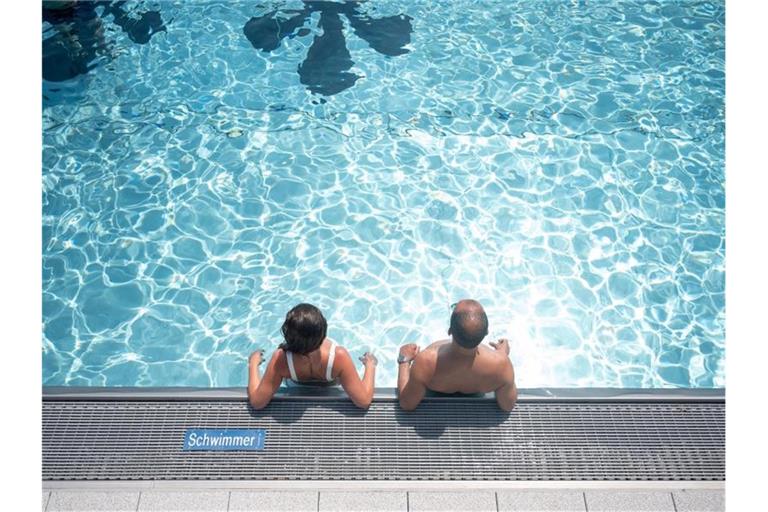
(76, 36)
(325, 70)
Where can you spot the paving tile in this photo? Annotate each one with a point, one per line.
(541, 501)
(262, 501)
(470, 501)
(86, 500)
(46, 495)
(635, 501)
(699, 500)
(210, 501)
(359, 501)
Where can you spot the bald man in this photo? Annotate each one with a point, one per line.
(459, 364)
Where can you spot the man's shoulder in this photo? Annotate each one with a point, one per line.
(430, 352)
(497, 362)
(491, 354)
(435, 345)
(504, 369)
(424, 363)
(501, 358)
(426, 356)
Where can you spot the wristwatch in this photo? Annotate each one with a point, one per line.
(402, 359)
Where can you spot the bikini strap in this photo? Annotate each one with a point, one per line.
(331, 356)
(291, 368)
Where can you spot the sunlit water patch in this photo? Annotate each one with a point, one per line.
(561, 162)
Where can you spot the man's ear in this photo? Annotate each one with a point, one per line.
(449, 332)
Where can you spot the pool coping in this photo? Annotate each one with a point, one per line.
(382, 394)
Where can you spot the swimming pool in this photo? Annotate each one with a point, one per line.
(208, 165)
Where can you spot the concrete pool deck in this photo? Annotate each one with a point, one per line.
(391, 496)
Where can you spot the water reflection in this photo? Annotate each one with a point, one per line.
(325, 70)
(139, 30)
(77, 34)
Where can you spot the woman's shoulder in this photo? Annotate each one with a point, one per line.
(281, 361)
(342, 361)
(335, 345)
(341, 353)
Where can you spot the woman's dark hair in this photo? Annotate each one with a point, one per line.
(304, 329)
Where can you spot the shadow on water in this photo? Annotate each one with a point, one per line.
(77, 34)
(325, 70)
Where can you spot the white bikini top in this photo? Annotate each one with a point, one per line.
(328, 370)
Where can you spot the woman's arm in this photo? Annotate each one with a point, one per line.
(261, 390)
(360, 391)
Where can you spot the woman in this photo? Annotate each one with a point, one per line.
(308, 357)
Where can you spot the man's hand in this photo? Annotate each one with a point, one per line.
(369, 359)
(257, 357)
(502, 344)
(409, 351)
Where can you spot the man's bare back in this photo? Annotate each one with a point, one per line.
(452, 372)
(448, 366)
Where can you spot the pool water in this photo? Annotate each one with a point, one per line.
(208, 165)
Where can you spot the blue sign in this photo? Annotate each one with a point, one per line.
(224, 440)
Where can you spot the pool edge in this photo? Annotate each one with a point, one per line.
(382, 394)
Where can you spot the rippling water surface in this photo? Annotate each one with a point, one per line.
(208, 165)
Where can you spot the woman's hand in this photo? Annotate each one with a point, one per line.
(257, 357)
(369, 360)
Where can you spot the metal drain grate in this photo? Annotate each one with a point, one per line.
(442, 440)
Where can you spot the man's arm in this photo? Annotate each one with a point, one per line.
(506, 395)
(412, 376)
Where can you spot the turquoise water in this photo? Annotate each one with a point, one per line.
(208, 165)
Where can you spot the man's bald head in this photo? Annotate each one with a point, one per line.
(469, 323)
